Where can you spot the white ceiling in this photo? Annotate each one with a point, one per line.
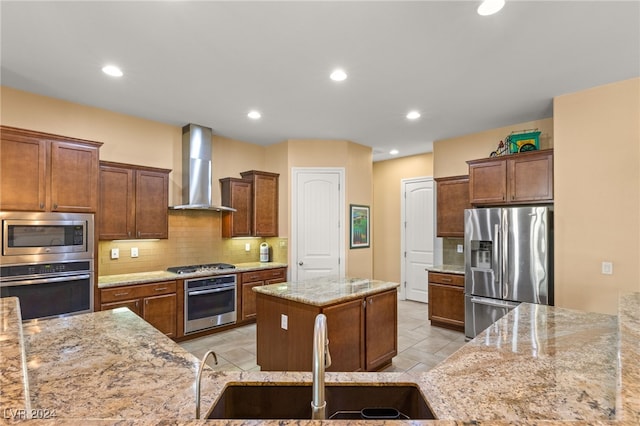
(210, 62)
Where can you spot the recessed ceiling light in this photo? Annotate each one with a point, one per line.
(489, 7)
(338, 75)
(254, 114)
(112, 70)
(413, 115)
(394, 152)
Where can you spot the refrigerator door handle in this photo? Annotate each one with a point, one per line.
(505, 255)
(495, 303)
(496, 254)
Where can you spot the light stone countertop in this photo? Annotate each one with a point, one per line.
(106, 281)
(447, 269)
(538, 364)
(325, 290)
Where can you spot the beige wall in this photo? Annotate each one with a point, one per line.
(597, 195)
(357, 162)
(385, 215)
(194, 237)
(450, 155)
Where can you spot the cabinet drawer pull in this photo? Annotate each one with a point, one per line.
(121, 294)
(446, 280)
(137, 304)
(161, 288)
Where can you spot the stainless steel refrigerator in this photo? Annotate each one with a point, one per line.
(508, 255)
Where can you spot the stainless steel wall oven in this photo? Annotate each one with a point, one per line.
(209, 302)
(47, 262)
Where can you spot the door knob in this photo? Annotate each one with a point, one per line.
(300, 263)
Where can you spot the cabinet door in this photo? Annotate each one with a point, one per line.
(265, 202)
(345, 328)
(74, 177)
(248, 297)
(160, 311)
(446, 305)
(236, 193)
(531, 177)
(22, 173)
(134, 305)
(152, 203)
(452, 200)
(381, 325)
(117, 212)
(488, 182)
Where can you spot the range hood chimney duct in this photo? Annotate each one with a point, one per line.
(196, 170)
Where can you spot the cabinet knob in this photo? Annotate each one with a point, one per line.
(55, 205)
(42, 205)
(300, 263)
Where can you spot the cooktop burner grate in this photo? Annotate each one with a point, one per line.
(187, 269)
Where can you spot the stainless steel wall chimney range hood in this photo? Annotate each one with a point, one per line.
(196, 170)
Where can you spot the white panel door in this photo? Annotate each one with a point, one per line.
(317, 231)
(419, 236)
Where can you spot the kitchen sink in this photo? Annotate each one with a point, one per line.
(279, 401)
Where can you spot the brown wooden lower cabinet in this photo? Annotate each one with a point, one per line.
(156, 303)
(446, 300)
(362, 333)
(249, 280)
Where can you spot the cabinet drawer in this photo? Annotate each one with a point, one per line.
(136, 291)
(264, 275)
(451, 279)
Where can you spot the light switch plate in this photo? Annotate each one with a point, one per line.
(460, 248)
(247, 247)
(134, 251)
(115, 253)
(284, 321)
(607, 268)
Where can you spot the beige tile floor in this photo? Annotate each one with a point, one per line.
(420, 346)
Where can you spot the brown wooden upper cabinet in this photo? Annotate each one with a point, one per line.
(45, 172)
(514, 179)
(236, 193)
(452, 200)
(134, 202)
(255, 198)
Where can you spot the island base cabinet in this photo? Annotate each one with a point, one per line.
(358, 340)
(345, 330)
(381, 316)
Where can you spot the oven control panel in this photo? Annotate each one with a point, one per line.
(44, 269)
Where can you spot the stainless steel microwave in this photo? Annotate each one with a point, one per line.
(38, 236)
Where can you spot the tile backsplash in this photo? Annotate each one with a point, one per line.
(194, 238)
(450, 256)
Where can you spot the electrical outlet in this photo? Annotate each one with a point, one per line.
(460, 248)
(134, 251)
(607, 268)
(247, 247)
(284, 321)
(115, 253)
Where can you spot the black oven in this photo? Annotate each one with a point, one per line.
(209, 302)
(49, 289)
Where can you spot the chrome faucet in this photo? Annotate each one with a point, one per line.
(204, 358)
(321, 360)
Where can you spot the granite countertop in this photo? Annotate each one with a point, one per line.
(537, 363)
(106, 281)
(325, 290)
(447, 269)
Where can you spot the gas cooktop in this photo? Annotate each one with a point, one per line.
(209, 267)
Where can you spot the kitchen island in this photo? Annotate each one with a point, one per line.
(538, 365)
(361, 322)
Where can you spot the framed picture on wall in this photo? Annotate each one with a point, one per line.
(360, 226)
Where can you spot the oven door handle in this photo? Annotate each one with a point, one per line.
(216, 290)
(46, 280)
